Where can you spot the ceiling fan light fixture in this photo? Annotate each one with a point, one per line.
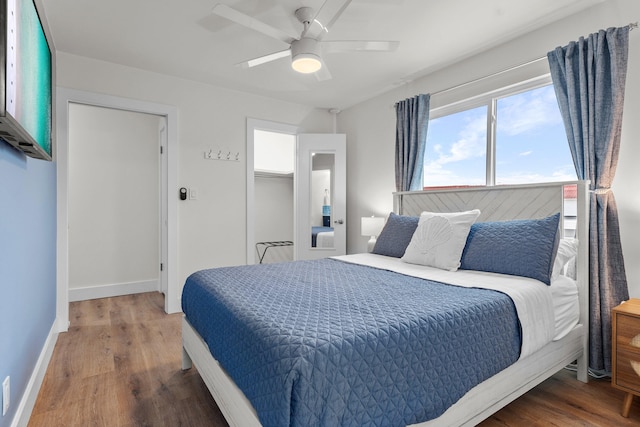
(305, 56)
(306, 63)
(305, 48)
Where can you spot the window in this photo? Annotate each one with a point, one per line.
(525, 143)
(456, 150)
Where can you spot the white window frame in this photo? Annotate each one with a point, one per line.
(490, 100)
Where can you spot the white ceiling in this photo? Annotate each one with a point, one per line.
(183, 38)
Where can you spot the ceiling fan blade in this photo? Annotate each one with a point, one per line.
(323, 73)
(250, 22)
(325, 18)
(264, 59)
(360, 46)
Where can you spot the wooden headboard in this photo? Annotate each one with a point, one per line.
(497, 203)
(507, 202)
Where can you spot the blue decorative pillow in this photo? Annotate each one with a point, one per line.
(396, 235)
(519, 247)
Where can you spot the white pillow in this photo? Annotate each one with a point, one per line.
(564, 263)
(439, 239)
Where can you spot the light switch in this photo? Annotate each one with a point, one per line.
(193, 194)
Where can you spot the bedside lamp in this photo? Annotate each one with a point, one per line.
(371, 226)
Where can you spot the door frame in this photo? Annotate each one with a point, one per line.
(169, 167)
(268, 126)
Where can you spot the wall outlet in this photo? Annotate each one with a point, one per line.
(6, 394)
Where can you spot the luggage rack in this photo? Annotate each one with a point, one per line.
(266, 245)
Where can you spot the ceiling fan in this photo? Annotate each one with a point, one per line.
(305, 49)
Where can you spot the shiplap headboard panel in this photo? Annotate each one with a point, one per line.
(498, 203)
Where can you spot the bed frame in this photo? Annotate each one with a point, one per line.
(495, 203)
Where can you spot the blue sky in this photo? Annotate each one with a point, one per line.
(531, 145)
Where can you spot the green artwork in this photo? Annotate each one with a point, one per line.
(31, 105)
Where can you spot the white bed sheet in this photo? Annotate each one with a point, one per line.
(566, 305)
(533, 299)
(324, 239)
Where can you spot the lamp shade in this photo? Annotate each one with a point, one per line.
(371, 225)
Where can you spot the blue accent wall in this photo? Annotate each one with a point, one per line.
(27, 266)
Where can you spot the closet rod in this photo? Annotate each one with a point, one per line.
(515, 67)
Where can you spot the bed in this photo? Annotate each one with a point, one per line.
(523, 364)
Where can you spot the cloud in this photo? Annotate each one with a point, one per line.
(526, 153)
(563, 173)
(438, 176)
(526, 111)
(471, 142)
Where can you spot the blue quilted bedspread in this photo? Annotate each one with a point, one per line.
(329, 343)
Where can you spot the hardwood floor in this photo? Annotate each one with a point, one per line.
(119, 365)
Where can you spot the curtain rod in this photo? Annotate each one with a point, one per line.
(632, 26)
(506, 70)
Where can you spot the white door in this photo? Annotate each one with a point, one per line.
(321, 196)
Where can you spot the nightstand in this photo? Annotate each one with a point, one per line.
(625, 369)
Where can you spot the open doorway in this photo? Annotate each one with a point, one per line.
(270, 191)
(273, 165)
(169, 138)
(114, 202)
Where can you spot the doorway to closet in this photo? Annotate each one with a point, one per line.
(270, 191)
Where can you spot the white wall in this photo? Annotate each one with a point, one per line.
(211, 229)
(274, 151)
(370, 126)
(114, 206)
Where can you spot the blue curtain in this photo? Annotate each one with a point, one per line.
(412, 120)
(589, 79)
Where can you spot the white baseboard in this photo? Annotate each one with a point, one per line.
(28, 401)
(112, 290)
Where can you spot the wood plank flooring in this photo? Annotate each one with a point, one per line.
(119, 365)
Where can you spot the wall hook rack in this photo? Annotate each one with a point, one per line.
(222, 155)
